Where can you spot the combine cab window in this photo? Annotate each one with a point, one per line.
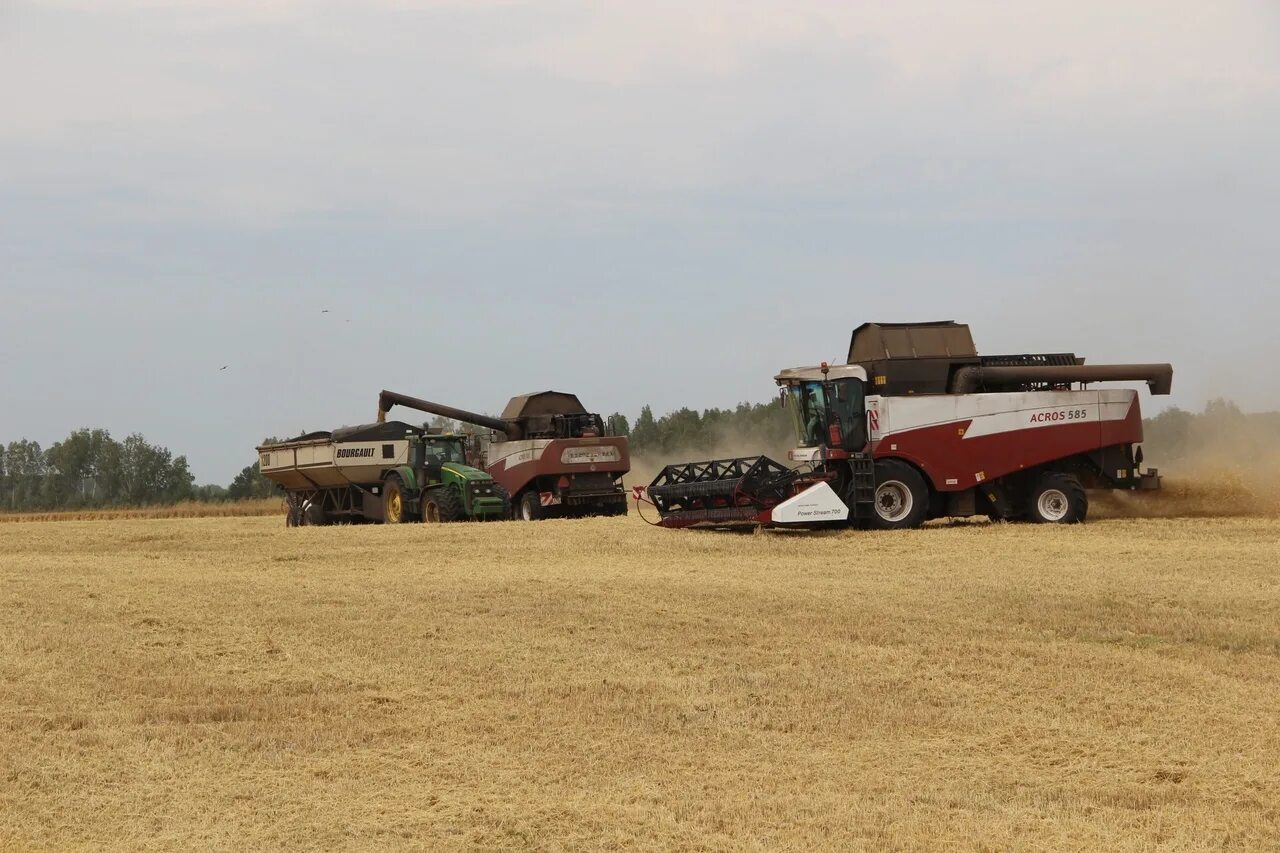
(809, 413)
(830, 414)
(848, 404)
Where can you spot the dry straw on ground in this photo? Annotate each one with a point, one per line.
(185, 509)
(601, 684)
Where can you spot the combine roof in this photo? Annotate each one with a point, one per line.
(936, 339)
(542, 403)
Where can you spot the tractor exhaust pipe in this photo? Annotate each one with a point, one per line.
(1159, 377)
(387, 399)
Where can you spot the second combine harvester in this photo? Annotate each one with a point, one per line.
(549, 453)
(917, 425)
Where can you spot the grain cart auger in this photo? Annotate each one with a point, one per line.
(549, 452)
(916, 426)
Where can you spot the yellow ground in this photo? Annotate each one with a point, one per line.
(227, 682)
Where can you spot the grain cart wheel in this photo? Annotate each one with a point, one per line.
(1057, 499)
(313, 514)
(901, 498)
(441, 505)
(531, 506)
(393, 500)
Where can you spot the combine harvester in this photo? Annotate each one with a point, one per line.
(547, 451)
(547, 454)
(916, 426)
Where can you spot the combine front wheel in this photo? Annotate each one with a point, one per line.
(531, 506)
(902, 498)
(1058, 499)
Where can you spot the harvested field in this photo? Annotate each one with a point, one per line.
(226, 682)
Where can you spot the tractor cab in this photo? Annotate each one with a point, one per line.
(444, 448)
(828, 409)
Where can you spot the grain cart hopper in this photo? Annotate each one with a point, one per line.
(549, 452)
(389, 471)
(918, 425)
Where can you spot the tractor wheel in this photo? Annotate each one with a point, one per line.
(506, 501)
(901, 497)
(292, 512)
(531, 506)
(1057, 499)
(442, 505)
(394, 509)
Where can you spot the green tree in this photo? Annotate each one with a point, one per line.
(644, 435)
(250, 483)
(24, 461)
(75, 464)
(616, 424)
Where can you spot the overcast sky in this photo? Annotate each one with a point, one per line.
(659, 202)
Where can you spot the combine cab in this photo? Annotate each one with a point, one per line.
(918, 425)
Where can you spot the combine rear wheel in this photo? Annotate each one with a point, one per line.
(393, 500)
(1057, 499)
(902, 498)
(442, 505)
(531, 506)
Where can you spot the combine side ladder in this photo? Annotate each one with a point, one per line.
(861, 496)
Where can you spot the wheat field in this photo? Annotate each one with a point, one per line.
(228, 683)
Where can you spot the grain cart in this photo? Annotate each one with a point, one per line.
(917, 425)
(389, 471)
(547, 451)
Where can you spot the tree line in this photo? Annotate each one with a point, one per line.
(90, 469)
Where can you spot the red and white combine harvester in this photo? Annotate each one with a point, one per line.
(917, 425)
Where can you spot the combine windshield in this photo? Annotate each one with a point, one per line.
(829, 414)
(809, 412)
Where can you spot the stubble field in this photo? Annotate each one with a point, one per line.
(229, 683)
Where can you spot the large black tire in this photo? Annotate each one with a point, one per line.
(506, 501)
(1057, 498)
(442, 505)
(312, 515)
(531, 506)
(901, 498)
(395, 508)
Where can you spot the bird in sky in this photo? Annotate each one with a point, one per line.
(224, 367)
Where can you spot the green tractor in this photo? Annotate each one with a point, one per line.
(439, 486)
